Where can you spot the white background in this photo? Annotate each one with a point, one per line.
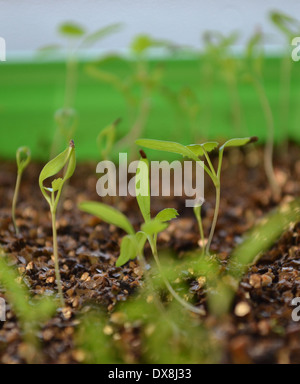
(29, 24)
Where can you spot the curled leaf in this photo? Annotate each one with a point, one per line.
(23, 158)
(65, 159)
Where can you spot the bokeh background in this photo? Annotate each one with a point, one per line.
(159, 68)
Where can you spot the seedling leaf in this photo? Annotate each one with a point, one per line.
(57, 184)
(23, 158)
(71, 30)
(128, 250)
(142, 179)
(167, 146)
(238, 142)
(167, 215)
(68, 157)
(101, 34)
(108, 214)
(154, 227)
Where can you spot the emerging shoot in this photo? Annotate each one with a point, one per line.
(66, 160)
(23, 159)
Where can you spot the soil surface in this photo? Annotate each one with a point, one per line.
(260, 328)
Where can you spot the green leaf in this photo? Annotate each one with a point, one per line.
(141, 239)
(197, 149)
(108, 214)
(106, 139)
(23, 158)
(167, 146)
(71, 30)
(101, 34)
(238, 142)
(141, 43)
(142, 179)
(287, 24)
(167, 215)
(57, 184)
(128, 250)
(210, 146)
(154, 227)
(66, 158)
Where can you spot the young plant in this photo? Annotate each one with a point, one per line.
(289, 27)
(254, 58)
(106, 140)
(220, 59)
(78, 39)
(144, 79)
(133, 244)
(65, 161)
(196, 152)
(23, 159)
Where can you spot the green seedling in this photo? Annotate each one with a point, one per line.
(196, 152)
(133, 244)
(23, 160)
(290, 28)
(106, 140)
(78, 39)
(254, 64)
(65, 161)
(219, 60)
(137, 88)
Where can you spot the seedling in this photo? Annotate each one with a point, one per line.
(66, 160)
(254, 58)
(289, 27)
(143, 78)
(23, 159)
(196, 152)
(133, 244)
(77, 38)
(220, 59)
(106, 140)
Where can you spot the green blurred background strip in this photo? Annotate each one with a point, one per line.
(32, 92)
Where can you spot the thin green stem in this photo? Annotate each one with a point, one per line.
(185, 304)
(198, 215)
(215, 219)
(269, 151)
(15, 200)
(56, 260)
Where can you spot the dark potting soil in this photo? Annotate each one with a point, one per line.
(259, 329)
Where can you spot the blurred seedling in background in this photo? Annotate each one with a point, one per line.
(78, 40)
(65, 161)
(290, 28)
(137, 89)
(31, 313)
(133, 244)
(254, 68)
(23, 159)
(219, 60)
(196, 152)
(106, 140)
(187, 108)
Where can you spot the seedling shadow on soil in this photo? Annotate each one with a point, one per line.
(258, 327)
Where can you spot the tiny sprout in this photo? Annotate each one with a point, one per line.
(196, 152)
(106, 139)
(23, 159)
(66, 160)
